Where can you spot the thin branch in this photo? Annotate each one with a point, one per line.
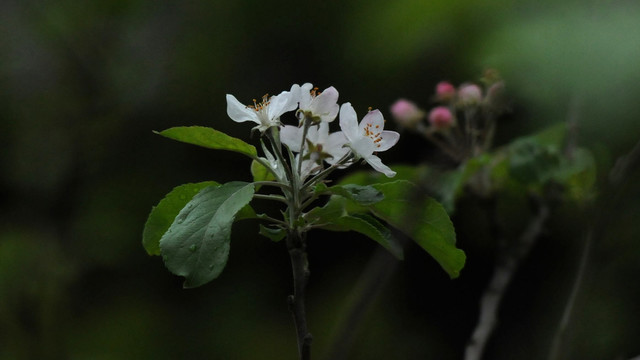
(300, 266)
(503, 274)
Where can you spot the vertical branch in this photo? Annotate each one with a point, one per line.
(296, 245)
(504, 271)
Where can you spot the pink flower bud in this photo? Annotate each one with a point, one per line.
(440, 117)
(469, 94)
(445, 91)
(406, 113)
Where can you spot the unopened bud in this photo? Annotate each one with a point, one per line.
(440, 117)
(445, 91)
(406, 113)
(469, 94)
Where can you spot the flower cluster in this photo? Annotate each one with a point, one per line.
(310, 142)
(462, 122)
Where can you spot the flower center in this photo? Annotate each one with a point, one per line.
(258, 106)
(314, 92)
(374, 133)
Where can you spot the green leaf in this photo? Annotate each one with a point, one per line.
(261, 173)
(196, 246)
(423, 219)
(369, 226)
(363, 195)
(274, 234)
(209, 138)
(163, 214)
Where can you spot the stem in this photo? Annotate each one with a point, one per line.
(296, 245)
(503, 274)
(324, 173)
(305, 131)
(274, 136)
(279, 198)
(272, 183)
(274, 220)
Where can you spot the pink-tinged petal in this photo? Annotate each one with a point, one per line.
(388, 139)
(349, 122)
(331, 114)
(374, 120)
(377, 164)
(239, 112)
(291, 136)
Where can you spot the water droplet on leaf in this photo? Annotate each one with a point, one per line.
(193, 247)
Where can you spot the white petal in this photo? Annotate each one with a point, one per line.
(388, 139)
(305, 96)
(349, 122)
(280, 104)
(363, 146)
(331, 114)
(334, 146)
(292, 137)
(239, 112)
(377, 164)
(322, 134)
(326, 104)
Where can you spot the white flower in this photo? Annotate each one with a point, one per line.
(320, 106)
(319, 145)
(368, 137)
(266, 113)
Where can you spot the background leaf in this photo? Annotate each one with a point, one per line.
(163, 214)
(196, 245)
(209, 138)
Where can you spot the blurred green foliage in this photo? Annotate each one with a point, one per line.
(83, 84)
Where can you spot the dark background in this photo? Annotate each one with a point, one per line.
(83, 84)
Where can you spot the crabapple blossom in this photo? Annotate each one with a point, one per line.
(367, 137)
(265, 113)
(320, 145)
(319, 106)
